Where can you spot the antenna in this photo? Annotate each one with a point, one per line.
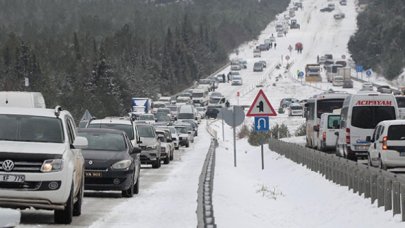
(58, 109)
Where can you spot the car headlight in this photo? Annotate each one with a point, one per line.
(124, 164)
(152, 147)
(53, 165)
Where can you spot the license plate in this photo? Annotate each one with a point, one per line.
(12, 178)
(93, 174)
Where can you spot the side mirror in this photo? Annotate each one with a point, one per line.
(139, 142)
(196, 118)
(173, 139)
(136, 150)
(368, 138)
(316, 128)
(80, 143)
(337, 133)
(189, 132)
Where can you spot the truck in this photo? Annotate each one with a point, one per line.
(346, 73)
(313, 73)
(141, 105)
(332, 71)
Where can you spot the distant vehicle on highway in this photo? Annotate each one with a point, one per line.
(237, 80)
(339, 16)
(258, 67)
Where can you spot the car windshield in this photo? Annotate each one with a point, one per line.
(215, 100)
(31, 129)
(185, 116)
(146, 117)
(146, 131)
(172, 130)
(327, 106)
(173, 108)
(183, 100)
(198, 94)
(127, 128)
(181, 129)
(396, 132)
(159, 105)
(162, 117)
(401, 102)
(367, 117)
(104, 141)
(296, 107)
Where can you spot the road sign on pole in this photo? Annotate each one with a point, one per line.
(369, 72)
(261, 106)
(359, 68)
(262, 123)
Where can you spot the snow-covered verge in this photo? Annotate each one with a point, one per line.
(284, 194)
(9, 217)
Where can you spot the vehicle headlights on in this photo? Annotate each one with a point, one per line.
(53, 165)
(122, 165)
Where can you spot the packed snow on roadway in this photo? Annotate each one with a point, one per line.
(284, 194)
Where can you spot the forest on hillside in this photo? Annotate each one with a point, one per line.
(379, 41)
(97, 54)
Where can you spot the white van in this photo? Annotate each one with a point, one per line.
(328, 126)
(200, 96)
(387, 149)
(360, 114)
(401, 106)
(187, 112)
(316, 106)
(22, 99)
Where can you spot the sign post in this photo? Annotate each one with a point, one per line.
(369, 72)
(234, 117)
(261, 109)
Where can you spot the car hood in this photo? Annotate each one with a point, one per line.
(32, 147)
(99, 159)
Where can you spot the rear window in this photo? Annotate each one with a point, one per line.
(396, 132)
(327, 106)
(333, 121)
(146, 131)
(295, 107)
(127, 128)
(367, 117)
(104, 141)
(401, 102)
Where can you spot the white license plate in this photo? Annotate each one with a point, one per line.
(12, 178)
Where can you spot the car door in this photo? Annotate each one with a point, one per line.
(136, 157)
(372, 148)
(77, 155)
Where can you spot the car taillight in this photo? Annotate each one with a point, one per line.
(324, 136)
(347, 135)
(384, 143)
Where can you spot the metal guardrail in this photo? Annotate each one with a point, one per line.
(387, 188)
(205, 208)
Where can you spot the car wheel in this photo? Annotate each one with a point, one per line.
(196, 133)
(188, 144)
(171, 156)
(77, 207)
(369, 161)
(130, 191)
(178, 147)
(167, 159)
(156, 164)
(136, 187)
(65, 216)
(381, 164)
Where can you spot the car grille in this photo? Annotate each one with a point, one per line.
(24, 166)
(102, 180)
(32, 185)
(26, 162)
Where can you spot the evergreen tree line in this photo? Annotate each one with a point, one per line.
(97, 54)
(378, 43)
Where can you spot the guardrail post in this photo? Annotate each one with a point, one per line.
(355, 181)
(374, 187)
(403, 201)
(380, 191)
(361, 183)
(367, 183)
(387, 194)
(396, 198)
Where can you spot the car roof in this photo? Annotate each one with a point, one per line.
(112, 120)
(101, 130)
(392, 122)
(31, 111)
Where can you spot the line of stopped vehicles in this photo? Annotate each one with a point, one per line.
(47, 161)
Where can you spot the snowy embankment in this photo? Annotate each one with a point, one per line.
(285, 194)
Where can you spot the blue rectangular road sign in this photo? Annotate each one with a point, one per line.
(262, 123)
(359, 68)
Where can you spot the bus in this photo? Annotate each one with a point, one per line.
(325, 102)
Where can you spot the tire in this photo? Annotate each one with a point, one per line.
(178, 147)
(156, 164)
(130, 191)
(77, 207)
(369, 161)
(171, 156)
(381, 165)
(196, 133)
(167, 160)
(188, 144)
(65, 216)
(136, 187)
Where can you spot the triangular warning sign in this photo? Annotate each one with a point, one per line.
(261, 106)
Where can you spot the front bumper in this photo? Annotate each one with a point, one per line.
(108, 180)
(149, 156)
